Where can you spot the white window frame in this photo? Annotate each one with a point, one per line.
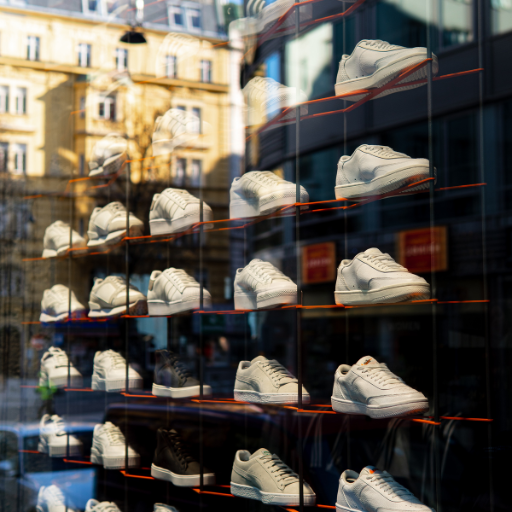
(4, 99)
(84, 55)
(171, 61)
(172, 10)
(189, 14)
(33, 48)
(20, 100)
(108, 102)
(204, 68)
(19, 152)
(121, 55)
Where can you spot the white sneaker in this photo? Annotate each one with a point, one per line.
(52, 499)
(162, 507)
(373, 277)
(108, 298)
(266, 478)
(260, 193)
(372, 490)
(264, 98)
(270, 14)
(376, 170)
(174, 291)
(54, 370)
(108, 448)
(175, 210)
(55, 305)
(108, 155)
(107, 225)
(261, 285)
(370, 388)
(374, 63)
(54, 439)
(265, 381)
(175, 128)
(101, 506)
(109, 373)
(56, 240)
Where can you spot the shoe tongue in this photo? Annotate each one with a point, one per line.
(259, 358)
(367, 361)
(256, 260)
(368, 470)
(262, 452)
(373, 251)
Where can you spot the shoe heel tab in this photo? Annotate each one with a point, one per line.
(152, 278)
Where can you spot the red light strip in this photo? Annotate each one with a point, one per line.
(326, 506)
(198, 490)
(78, 461)
(128, 475)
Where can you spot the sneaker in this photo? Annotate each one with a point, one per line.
(52, 499)
(162, 507)
(175, 210)
(260, 193)
(56, 368)
(173, 462)
(175, 128)
(109, 448)
(173, 379)
(376, 170)
(174, 291)
(108, 225)
(101, 506)
(108, 298)
(374, 63)
(56, 240)
(54, 439)
(264, 98)
(55, 305)
(266, 478)
(109, 373)
(373, 277)
(269, 15)
(373, 489)
(260, 285)
(370, 388)
(265, 381)
(108, 155)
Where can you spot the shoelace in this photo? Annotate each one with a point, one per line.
(181, 198)
(267, 272)
(387, 484)
(116, 206)
(119, 280)
(384, 262)
(381, 374)
(106, 506)
(56, 495)
(114, 434)
(181, 279)
(57, 426)
(381, 45)
(61, 359)
(180, 448)
(180, 368)
(118, 361)
(267, 178)
(277, 372)
(384, 151)
(279, 469)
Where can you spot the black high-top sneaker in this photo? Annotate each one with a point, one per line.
(173, 379)
(173, 462)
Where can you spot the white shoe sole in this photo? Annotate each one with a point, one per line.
(61, 251)
(384, 184)
(384, 75)
(387, 411)
(265, 299)
(265, 205)
(340, 508)
(166, 226)
(385, 295)
(115, 385)
(115, 236)
(159, 390)
(181, 480)
(137, 308)
(75, 381)
(48, 319)
(59, 451)
(253, 493)
(162, 308)
(113, 462)
(269, 398)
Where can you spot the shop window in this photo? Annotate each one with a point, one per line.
(171, 69)
(20, 100)
(107, 108)
(206, 71)
(4, 99)
(33, 48)
(84, 55)
(121, 59)
(4, 156)
(20, 158)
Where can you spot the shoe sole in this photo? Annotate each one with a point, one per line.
(253, 493)
(59, 451)
(269, 398)
(340, 508)
(169, 392)
(113, 462)
(266, 299)
(116, 236)
(137, 308)
(385, 295)
(114, 385)
(181, 480)
(265, 205)
(384, 184)
(162, 308)
(389, 411)
(384, 75)
(62, 251)
(49, 319)
(111, 166)
(166, 226)
(75, 381)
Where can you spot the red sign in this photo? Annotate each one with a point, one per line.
(423, 250)
(319, 263)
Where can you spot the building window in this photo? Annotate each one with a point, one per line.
(33, 44)
(81, 165)
(20, 100)
(171, 70)
(185, 16)
(206, 71)
(175, 16)
(197, 126)
(195, 175)
(193, 19)
(107, 108)
(182, 108)
(4, 156)
(181, 172)
(121, 59)
(82, 107)
(84, 55)
(20, 158)
(4, 99)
